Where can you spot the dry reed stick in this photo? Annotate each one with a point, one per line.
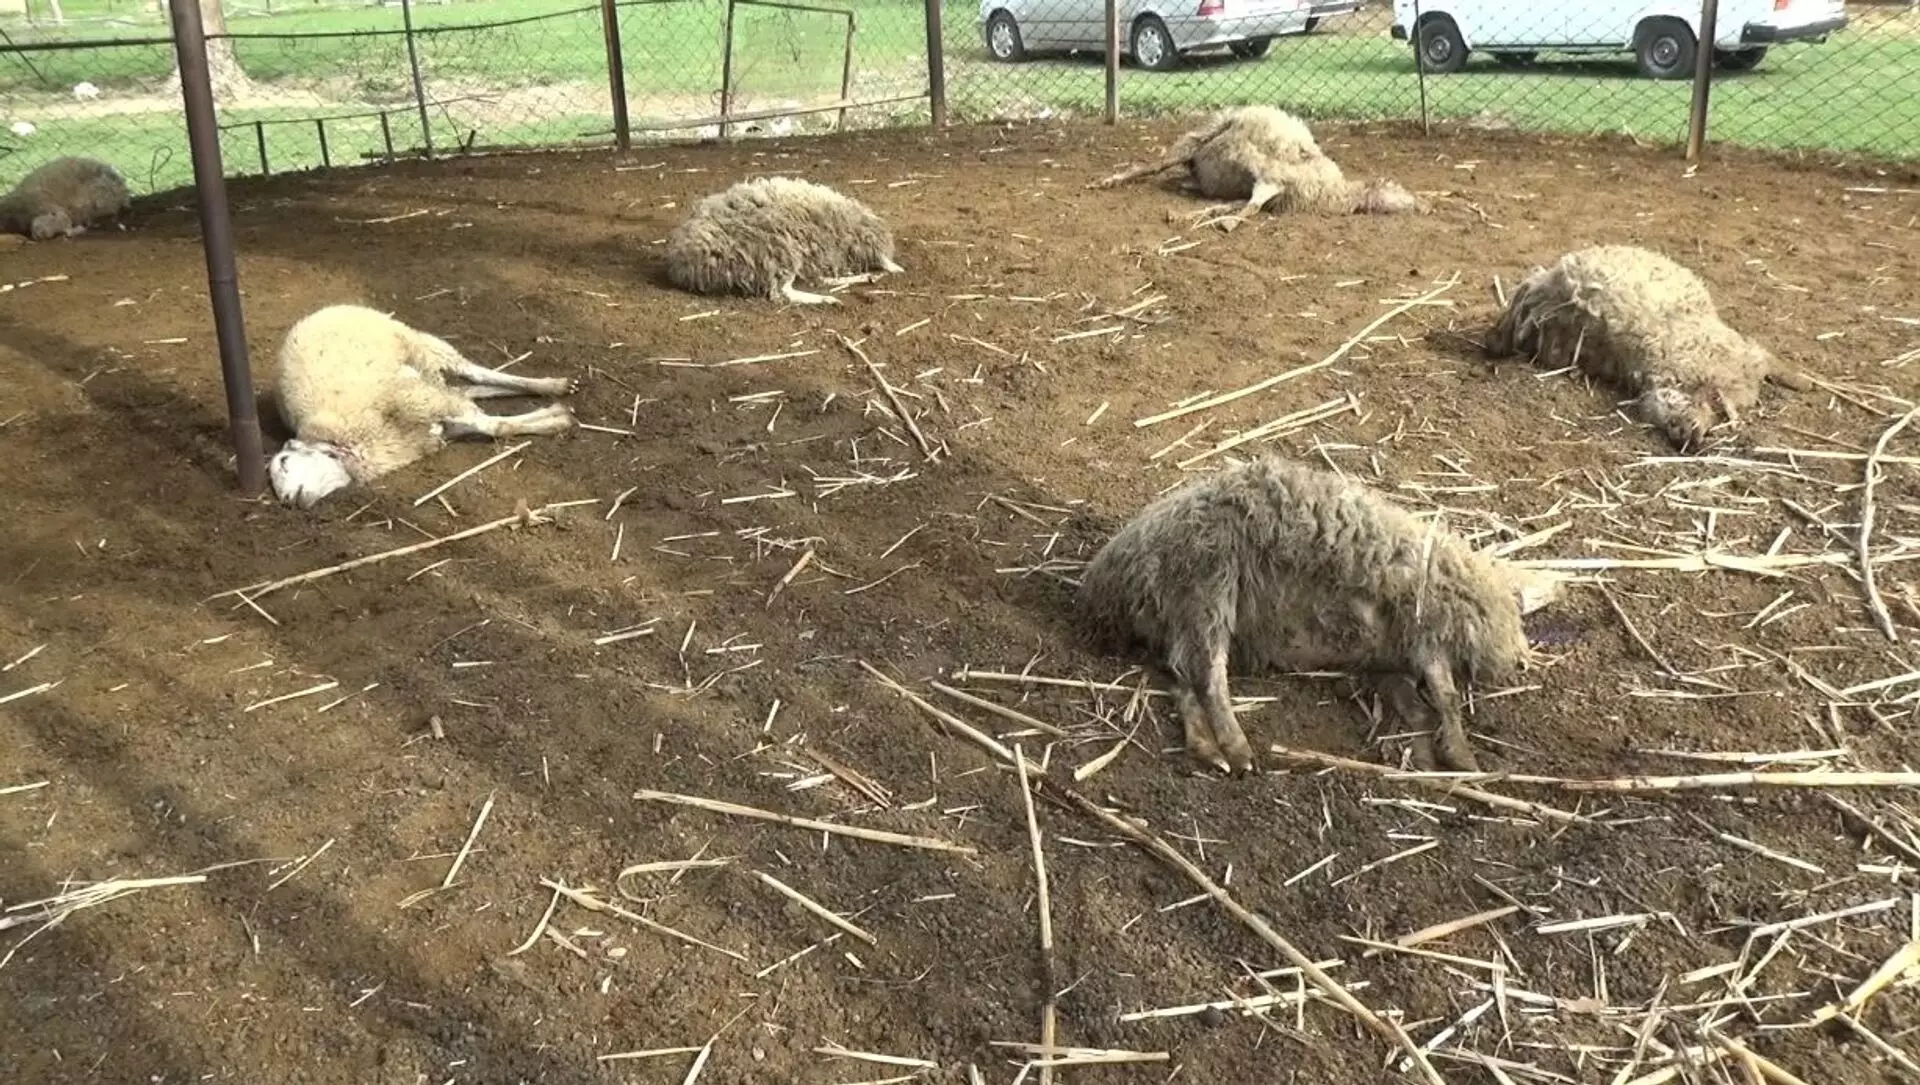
(1000, 710)
(1437, 782)
(469, 473)
(1049, 1007)
(522, 516)
(959, 726)
(1867, 584)
(878, 836)
(459, 860)
(1329, 986)
(1339, 352)
(1769, 1069)
(815, 907)
(899, 409)
(594, 904)
(1732, 779)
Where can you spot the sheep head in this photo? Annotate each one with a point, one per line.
(303, 472)
(1383, 197)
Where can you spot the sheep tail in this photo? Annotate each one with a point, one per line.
(1182, 152)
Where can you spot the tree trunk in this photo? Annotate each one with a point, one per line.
(223, 67)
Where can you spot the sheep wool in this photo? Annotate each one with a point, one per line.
(760, 237)
(1272, 564)
(366, 394)
(1632, 317)
(1268, 158)
(62, 198)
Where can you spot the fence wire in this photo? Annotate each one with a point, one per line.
(300, 84)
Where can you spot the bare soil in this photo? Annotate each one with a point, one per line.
(470, 674)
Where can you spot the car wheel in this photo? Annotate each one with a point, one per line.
(1665, 49)
(1442, 49)
(1003, 39)
(1739, 60)
(1153, 46)
(1313, 24)
(1514, 60)
(1251, 49)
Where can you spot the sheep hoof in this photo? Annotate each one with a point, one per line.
(1454, 752)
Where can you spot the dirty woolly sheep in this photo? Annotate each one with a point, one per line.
(1637, 319)
(1268, 158)
(1273, 565)
(759, 237)
(365, 395)
(61, 198)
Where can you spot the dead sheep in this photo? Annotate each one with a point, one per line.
(760, 237)
(365, 395)
(1634, 318)
(1268, 158)
(1273, 565)
(63, 197)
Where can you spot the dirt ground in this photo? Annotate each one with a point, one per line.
(1036, 323)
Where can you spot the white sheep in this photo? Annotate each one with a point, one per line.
(365, 394)
(1268, 158)
(1633, 317)
(1271, 564)
(61, 198)
(760, 237)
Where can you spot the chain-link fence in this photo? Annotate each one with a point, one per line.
(1787, 74)
(300, 84)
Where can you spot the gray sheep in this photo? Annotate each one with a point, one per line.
(1268, 158)
(61, 198)
(760, 237)
(365, 395)
(1635, 318)
(1274, 565)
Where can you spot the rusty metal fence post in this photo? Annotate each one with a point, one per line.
(1420, 69)
(419, 86)
(216, 240)
(616, 74)
(726, 70)
(1702, 79)
(936, 65)
(1113, 61)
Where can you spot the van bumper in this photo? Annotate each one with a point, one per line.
(1762, 34)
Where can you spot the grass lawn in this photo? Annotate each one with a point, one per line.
(1854, 93)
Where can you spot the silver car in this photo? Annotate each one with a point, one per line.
(1155, 33)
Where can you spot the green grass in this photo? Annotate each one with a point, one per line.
(1854, 93)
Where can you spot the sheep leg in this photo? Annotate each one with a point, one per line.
(1402, 701)
(1450, 738)
(839, 281)
(891, 266)
(1228, 737)
(550, 419)
(1789, 378)
(491, 383)
(481, 391)
(1199, 733)
(1264, 193)
(785, 289)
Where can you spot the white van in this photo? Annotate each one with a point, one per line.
(1663, 35)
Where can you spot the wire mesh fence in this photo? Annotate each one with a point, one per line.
(300, 84)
